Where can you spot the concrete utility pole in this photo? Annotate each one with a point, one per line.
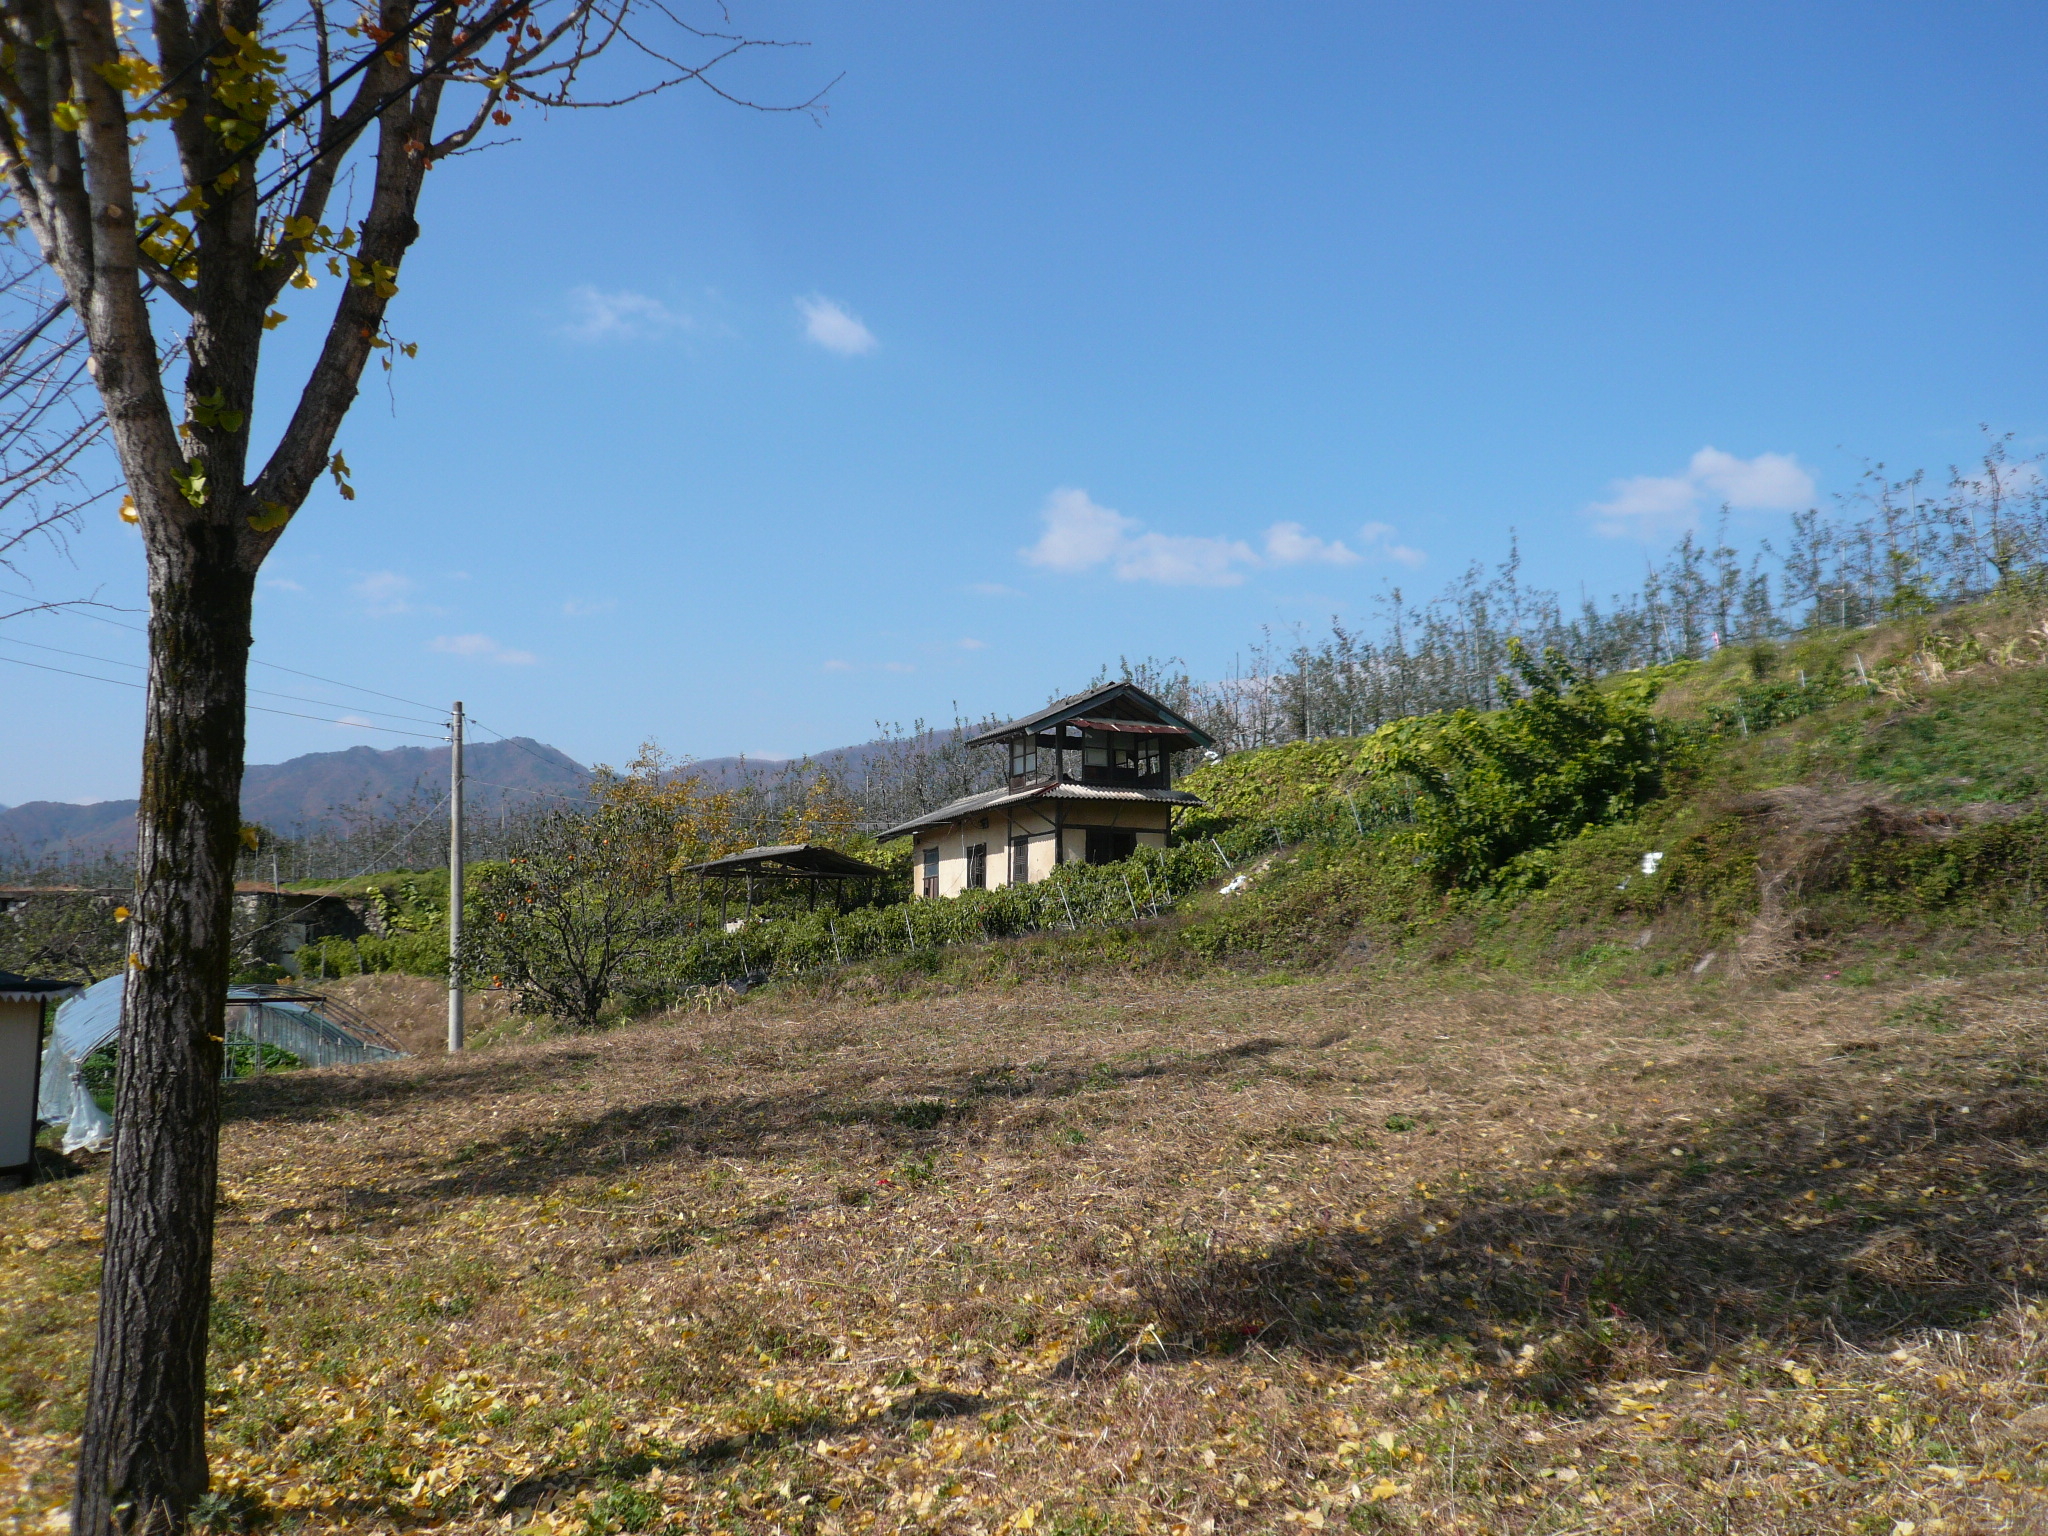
(455, 881)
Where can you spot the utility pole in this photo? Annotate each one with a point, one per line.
(455, 881)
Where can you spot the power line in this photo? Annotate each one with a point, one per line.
(376, 859)
(333, 682)
(337, 683)
(268, 693)
(260, 709)
(513, 741)
(118, 682)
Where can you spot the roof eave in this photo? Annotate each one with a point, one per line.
(1077, 707)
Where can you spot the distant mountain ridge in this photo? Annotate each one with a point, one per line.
(306, 792)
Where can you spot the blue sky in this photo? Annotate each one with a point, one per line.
(1077, 331)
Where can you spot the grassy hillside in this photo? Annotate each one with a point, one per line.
(1907, 809)
(1713, 1198)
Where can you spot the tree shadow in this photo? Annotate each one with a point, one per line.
(401, 1087)
(392, 1087)
(1800, 1220)
(617, 1141)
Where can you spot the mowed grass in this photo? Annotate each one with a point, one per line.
(1130, 1256)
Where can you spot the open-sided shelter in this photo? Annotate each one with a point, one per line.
(1090, 780)
(808, 864)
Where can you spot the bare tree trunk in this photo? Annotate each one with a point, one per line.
(143, 1458)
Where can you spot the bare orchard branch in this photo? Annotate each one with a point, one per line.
(49, 419)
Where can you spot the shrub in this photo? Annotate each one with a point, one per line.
(1496, 789)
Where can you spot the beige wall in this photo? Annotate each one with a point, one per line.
(1033, 819)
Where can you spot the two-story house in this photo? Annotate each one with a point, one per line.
(1090, 780)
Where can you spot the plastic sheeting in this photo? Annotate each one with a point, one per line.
(319, 1034)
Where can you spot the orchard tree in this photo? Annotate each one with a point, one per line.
(184, 163)
(575, 915)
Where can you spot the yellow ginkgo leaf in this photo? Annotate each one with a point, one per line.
(128, 512)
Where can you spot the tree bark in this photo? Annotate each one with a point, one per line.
(143, 1457)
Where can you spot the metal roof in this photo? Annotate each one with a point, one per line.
(1075, 706)
(33, 989)
(994, 799)
(788, 861)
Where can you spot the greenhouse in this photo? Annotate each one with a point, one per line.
(268, 1029)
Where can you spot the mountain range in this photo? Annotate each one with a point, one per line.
(307, 792)
(320, 789)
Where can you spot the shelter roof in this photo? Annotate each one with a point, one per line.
(1118, 707)
(996, 799)
(33, 989)
(788, 861)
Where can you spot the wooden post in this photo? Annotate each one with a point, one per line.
(457, 1035)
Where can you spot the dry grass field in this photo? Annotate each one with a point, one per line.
(1117, 1256)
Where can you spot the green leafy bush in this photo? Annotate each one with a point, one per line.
(1496, 789)
(423, 953)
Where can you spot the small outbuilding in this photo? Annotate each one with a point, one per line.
(22, 1000)
(815, 867)
(1090, 780)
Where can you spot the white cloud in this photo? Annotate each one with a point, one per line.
(827, 322)
(1082, 535)
(1292, 544)
(1181, 561)
(972, 644)
(992, 589)
(621, 316)
(1379, 539)
(385, 593)
(836, 665)
(481, 646)
(280, 584)
(581, 608)
(1652, 506)
(897, 666)
(1078, 534)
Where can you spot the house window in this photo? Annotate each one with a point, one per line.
(931, 872)
(1106, 845)
(1108, 758)
(1151, 760)
(977, 866)
(1023, 757)
(1020, 861)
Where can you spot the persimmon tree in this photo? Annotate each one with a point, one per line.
(201, 164)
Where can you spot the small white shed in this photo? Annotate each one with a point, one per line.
(22, 999)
